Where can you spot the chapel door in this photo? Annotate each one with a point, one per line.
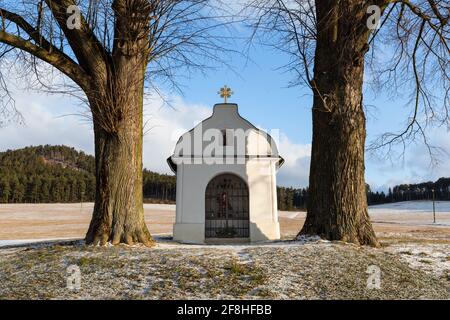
(227, 207)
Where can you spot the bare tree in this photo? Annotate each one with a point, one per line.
(110, 50)
(328, 42)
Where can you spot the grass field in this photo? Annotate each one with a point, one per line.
(414, 259)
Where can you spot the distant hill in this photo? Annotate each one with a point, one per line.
(62, 174)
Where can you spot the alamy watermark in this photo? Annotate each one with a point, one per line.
(373, 21)
(73, 281)
(74, 19)
(225, 146)
(374, 279)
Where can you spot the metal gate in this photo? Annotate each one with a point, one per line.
(226, 204)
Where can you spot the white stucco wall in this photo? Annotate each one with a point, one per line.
(257, 168)
(192, 181)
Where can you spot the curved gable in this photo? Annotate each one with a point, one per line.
(225, 124)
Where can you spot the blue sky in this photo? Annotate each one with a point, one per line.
(262, 92)
(264, 98)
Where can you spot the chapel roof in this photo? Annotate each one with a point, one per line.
(226, 117)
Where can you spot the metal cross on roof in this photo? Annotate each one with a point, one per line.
(225, 93)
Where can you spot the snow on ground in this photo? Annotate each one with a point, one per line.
(67, 220)
(406, 229)
(8, 243)
(413, 206)
(433, 258)
(280, 270)
(412, 213)
(24, 242)
(158, 206)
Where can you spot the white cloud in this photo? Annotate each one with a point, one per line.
(168, 124)
(53, 120)
(47, 121)
(419, 160)
(50, 119)
(415, 166)
(164, 126)
(295, 171)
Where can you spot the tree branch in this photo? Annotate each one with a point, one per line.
(435, 9)
(55, 58)
(33, 33)
(422, 15)
(85, 45)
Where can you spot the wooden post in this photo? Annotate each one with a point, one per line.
(434, 208)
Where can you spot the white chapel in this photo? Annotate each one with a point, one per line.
(226, 180)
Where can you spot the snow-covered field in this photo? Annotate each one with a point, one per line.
(413, 206)
(412, 213)
(19, 222)
(414, 258)
(409, 211)
(23, 223)
(307, 269)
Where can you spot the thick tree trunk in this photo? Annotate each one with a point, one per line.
(117, 110)
(337, 205)
(118, 211)
(118, 215)
(116, 101)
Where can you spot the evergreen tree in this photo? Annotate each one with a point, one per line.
(4, 190)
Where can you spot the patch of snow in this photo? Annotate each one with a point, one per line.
(18, 242)
(431, 258)
(412, 206)
(308, 239)
(244, 257)
(415, 213)
(158, 206)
